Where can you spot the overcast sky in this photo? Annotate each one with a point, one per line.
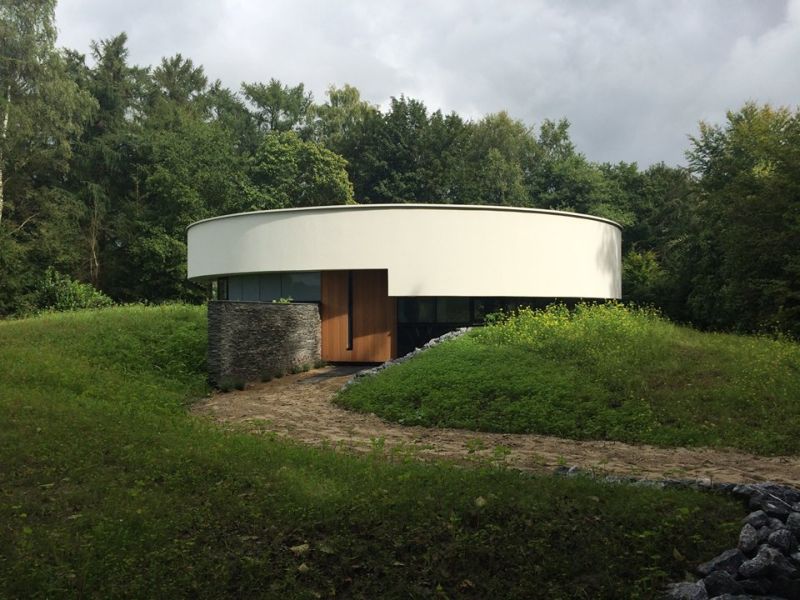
(633, 77)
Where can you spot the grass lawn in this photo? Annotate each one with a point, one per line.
(108, 488)
(600, 372)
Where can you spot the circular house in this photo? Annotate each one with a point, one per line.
(366, 283)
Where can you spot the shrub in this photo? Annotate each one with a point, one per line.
(59, 292)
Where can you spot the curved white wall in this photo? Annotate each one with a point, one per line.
(429, 250)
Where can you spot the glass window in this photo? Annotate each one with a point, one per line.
(266, 287)
(269, 287)
(250, 288)
(235, 288)
(301, 287)
(416, 310)
(222, 288)
(452, 310)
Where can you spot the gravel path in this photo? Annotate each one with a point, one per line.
(299, 407)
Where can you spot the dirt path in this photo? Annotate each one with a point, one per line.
(299, 407)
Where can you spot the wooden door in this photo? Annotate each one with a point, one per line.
(358, 317)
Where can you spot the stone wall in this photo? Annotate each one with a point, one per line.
(249, 340)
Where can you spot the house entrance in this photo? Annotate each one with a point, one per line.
(358, 316)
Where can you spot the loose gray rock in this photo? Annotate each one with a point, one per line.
(757, 519)
(786, 588)
(687, 591)
(775, 524)
(758, 565)
(781, 493)
(763, 533)
(755, 501)
(745, 597)
(757, 587)
(744, 490)
(722, 582)
(748, 539)
(795, 557)
(783, 567)
(775, 508)
(793, 523)
(768, 561)
(781, 539)
(729, 561)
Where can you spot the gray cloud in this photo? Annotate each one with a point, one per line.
(633, 77)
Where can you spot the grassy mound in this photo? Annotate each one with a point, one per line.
(600, 372)
(108, 489)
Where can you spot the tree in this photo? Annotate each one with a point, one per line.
(183, 173)
(177, 80)
(338, 121)
(41, 108)
(278, 107)
(500, 153)
(225, 107)
(102, 171)
(746, 269)
(287, 171)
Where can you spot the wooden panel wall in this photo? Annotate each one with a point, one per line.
(374, 317)
(333, 310)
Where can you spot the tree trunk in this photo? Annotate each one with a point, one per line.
(3, 131)
(94, 232)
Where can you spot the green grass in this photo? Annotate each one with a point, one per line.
(600, 372)
(109, 489)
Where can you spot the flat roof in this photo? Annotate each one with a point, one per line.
(486, 207)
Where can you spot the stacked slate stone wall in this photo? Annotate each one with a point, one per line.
(250, 340)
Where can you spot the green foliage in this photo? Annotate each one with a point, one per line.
(643, 278)
(60, 292)
(599, 372)
(279, 107)
(103, 165)
(287, 171)
(111, 489)
(745, 260)
(42, 110)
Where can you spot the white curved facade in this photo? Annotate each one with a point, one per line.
(428, 250)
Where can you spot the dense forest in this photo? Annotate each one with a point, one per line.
(104, 163)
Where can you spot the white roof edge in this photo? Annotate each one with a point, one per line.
(414, 205)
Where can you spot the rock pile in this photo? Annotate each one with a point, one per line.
(766, 561)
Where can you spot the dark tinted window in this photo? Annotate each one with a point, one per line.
(269, 287)
(266, 287)
(453, 310)
(301, 287)
(416, 310)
